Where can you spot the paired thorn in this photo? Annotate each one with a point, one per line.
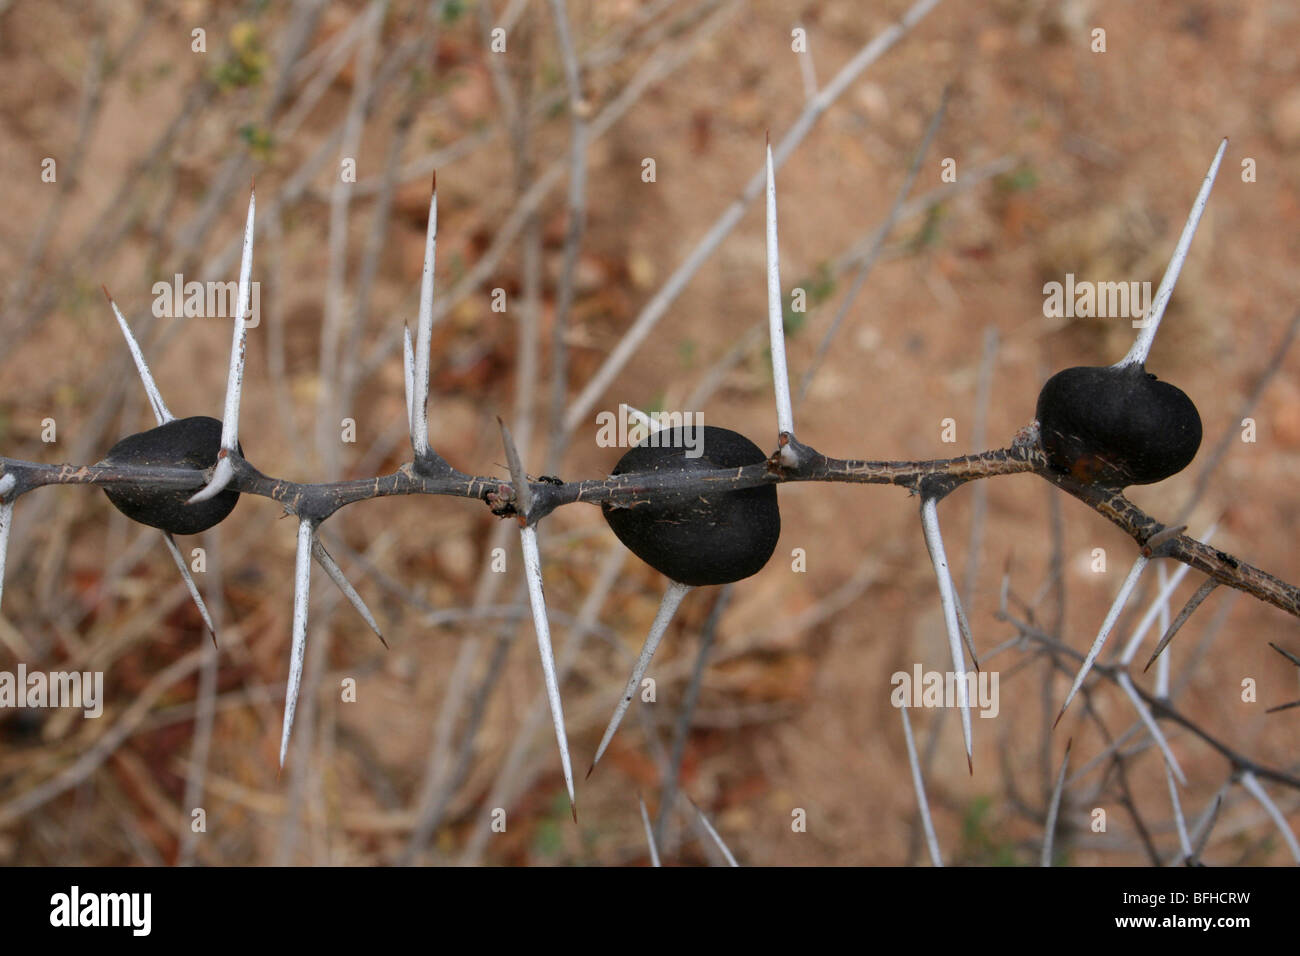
(327, 562)
(775, 317)
(537, 600)
(224, 471)
(1112, 615)
(948, 598)
(163, 416)
(190, 585)
(1160, 605)
(1137, 355)
(533, 572)
(156, 402)
(672, 599)
(301, 594)
(424, 333)
(776, 327)
(408, 373)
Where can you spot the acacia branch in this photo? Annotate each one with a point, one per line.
(432, 475)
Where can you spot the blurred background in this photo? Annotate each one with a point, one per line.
(1067, 161)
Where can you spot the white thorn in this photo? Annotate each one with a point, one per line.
(235, 380)
(6, 519)
(408, 370)
(1162, 664)
(424, 333)
(221, 476)
(189, 583)
(672, 599)
(649, 833)
(326, 561)
(1150, 322)
(301, 593)
(533, 572)
(641, 418)
(156, 402)
(1125, 589)
(776, 325)
(948, 597)
(918, 784)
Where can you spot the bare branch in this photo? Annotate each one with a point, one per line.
(713, 834)
(1049, 831)
(649, 832)
(1252, 784)
(931, 841)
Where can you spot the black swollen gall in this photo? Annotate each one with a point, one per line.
(180, 443)
(698, 539)
(1116, 425)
